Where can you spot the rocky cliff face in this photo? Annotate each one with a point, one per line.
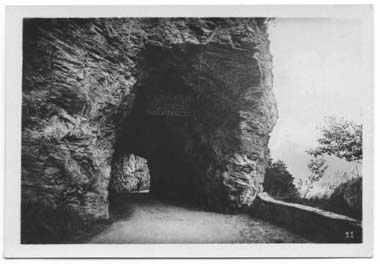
(88, 86)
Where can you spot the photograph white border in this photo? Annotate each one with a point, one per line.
(13, 95)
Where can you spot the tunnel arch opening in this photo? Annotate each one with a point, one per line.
(188, 120)
(159, 129)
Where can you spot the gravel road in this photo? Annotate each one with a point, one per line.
(141, 219)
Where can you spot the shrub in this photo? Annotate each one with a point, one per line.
(278, 182)
(347, 198)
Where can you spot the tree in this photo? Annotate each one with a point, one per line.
(278, 181)
(340, 138)
(317, 167)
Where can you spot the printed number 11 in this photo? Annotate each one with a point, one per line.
(350, 235)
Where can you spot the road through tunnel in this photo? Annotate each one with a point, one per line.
(191, 120)
(182, 106)
(106, 101)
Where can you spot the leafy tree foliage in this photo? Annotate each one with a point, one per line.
(340, 138)
(317, 167)
(278, 182)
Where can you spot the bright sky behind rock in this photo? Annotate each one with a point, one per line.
(317, 68)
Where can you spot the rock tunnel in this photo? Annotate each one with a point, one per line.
(192, 96)
(192, 120)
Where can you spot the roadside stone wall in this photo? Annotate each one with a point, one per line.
(313, 223)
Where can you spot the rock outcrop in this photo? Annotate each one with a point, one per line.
(129, 173)
(88, 86)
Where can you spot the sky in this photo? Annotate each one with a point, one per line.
(316, 73)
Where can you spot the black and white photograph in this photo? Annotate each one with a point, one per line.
(193, 129)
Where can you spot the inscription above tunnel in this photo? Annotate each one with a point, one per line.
(169, 105)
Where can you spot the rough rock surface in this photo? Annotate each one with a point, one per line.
(82, 80)
(129, 173)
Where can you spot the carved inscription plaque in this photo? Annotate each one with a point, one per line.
(169, 105)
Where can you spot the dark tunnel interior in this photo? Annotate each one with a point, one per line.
(161, 129)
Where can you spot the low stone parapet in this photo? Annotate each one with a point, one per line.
(315, 224)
